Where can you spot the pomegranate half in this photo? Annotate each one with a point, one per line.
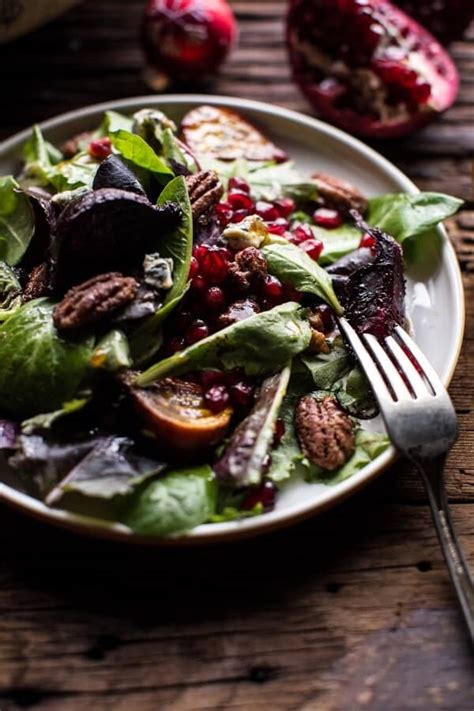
(368, 67)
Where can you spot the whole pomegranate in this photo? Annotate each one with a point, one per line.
(368, 67)
(446, 19)
(186, 39)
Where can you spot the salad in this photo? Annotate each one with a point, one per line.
(168, 318)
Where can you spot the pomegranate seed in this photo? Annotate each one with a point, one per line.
(215, 264)
(302, 233)
(368, 241)
(241, 394)
(193, 267)
(327, 318)
(215, 298)
(265, 494)
(237, 183)
(182, 321)
(212, 377)
(216, 398)
(421, 91)
(312, 247)
(239, 215)
(267, 211)
(329, 219)
(196, 332)
(279, 432)
(234, 376)
(198, 283)
(199, 251)
(285, 206)
(224, 213)
(291, 294)
(100, 148)
(239, 200)
(272, 288)
(176, 344)
(278, 226)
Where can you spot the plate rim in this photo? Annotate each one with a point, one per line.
(233, 530)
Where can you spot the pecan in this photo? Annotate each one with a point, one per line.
(94, 300)
(249, 269)
(39, 282)
(339, 193)
(325, 433)
(205, 190)
(238, 311)
(318, 343)
(75, 144)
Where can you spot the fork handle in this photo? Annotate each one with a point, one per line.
(432, 472)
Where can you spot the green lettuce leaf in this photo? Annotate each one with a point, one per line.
(177, 502)
(291, 265)
(260, 344)
(10, 292)
(112, 352)
(17, 221)
(135, 150)
(40, 370)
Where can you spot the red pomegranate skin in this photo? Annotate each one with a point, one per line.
(187, 39)
(367, 67)
(447, 20)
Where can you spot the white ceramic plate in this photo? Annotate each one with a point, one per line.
(435, 306)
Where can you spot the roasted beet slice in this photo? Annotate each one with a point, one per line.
(45, 218)
(372, 290)
(107, 230)
(113, 173)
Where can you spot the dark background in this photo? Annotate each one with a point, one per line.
(349, 610)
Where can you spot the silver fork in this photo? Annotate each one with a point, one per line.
(422, 425)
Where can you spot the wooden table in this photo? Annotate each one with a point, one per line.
(351, 610)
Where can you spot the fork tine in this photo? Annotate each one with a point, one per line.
(416, 381)
(428, 370)
(395, 380)
(369, 367)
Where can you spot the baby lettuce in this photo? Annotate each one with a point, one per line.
(260, 344)
(135, 150)
(17, 221)
(177, 246)
(40, 370)
(10, 292)
(243, 461)
(175, 503)
(293, 266)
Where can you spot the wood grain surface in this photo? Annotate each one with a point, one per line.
(352, 610)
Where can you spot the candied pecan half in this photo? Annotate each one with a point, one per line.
(205, 190)
(93, 300)
(39, 282)
(339, 193)
(238, 311)
(249, 268)
(325, 432)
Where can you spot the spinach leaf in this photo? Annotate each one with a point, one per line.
(113, 121)
(325, 369)
(179, 501)
(337, 242)
(404, 215)
(369, 445)
(17, 221)
(260, 344)
(291, 265)
(112, 352)
(137, 151)
(243, 461)
(178, 246)
(10, 292)
(355, 395)
(40, 370)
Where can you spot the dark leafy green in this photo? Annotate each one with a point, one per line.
(17, 221)
(243, 461)
(179, 501)
(40, 370)
(260, 344)
(293, 266)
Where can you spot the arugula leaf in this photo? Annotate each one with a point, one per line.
(179, 501)
(243, 460)
(40, 370)
(137, 151)
(10, 292)
(112, 352)
(410, 215)
(291, 265)
(260, 344)
(17, 221)
(369, 445)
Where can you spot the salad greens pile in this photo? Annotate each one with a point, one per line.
(129, 416)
